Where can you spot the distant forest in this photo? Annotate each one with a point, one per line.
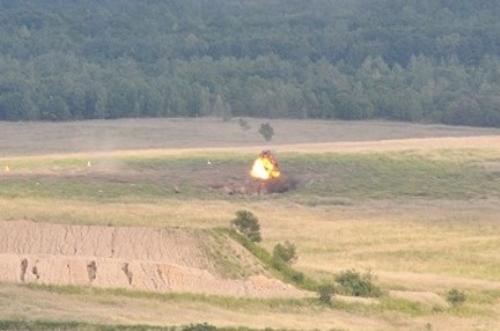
(430, 61)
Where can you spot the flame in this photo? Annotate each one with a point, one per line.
(265, 167)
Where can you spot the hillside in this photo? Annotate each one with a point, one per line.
(142, 259)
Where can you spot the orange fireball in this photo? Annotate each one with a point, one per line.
(265, 166)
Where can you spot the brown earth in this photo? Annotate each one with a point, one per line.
(160, 260)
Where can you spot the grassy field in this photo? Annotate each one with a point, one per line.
(417, 206)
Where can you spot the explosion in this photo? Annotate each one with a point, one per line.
(265, 166)
(267, 178)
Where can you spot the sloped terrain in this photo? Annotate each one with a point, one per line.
(152, 259)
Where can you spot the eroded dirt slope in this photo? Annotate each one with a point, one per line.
(152, 259)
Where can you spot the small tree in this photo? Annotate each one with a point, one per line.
(267, 131)
(455, 297)
(247, 224)
(325, 293)
(285, 252)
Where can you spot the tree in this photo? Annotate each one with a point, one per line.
(222, 108)
(267, 131)
(247, 224)
(56, 109)
(443, 67)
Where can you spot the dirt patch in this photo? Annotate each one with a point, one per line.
(151, 259)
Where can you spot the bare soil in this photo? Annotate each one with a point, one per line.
(148, 259)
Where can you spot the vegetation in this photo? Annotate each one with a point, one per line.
(247, 224)
(426, 219)
(199, 327)
(325, 293)
(353, 283)
(455, 297)
(425, 61)
(285, 252)
(358, 177)
(72, 326)
(281, 269)
(267, 131)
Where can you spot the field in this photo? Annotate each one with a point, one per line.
(415, 206)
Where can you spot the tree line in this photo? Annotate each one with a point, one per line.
(427, 61)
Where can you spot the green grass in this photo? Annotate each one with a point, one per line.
(54, 163)
(391, 176)
(279, 268)
(42, 325)
(186, 160)
(289, 305)
(82, 190)
(227, 302)
(407, 307)
(324, 179)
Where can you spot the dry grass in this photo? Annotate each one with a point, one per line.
(144, 134)
(117, 309)
(416, 247)
(196, 214)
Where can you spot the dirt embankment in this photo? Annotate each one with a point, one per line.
(162, 260)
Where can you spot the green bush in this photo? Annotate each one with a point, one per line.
(355, 284)
(284, 271)
(325, 293)
(455, 297)
(285, 252)
(247, 224)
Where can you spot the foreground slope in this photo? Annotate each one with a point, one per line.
(149, 259)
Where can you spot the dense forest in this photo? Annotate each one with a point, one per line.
(423, 61)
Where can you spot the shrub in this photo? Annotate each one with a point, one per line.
(455, 297)
(355, 284)
(286, 272)
(285, 252)
(325, 293)
(247, 224)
